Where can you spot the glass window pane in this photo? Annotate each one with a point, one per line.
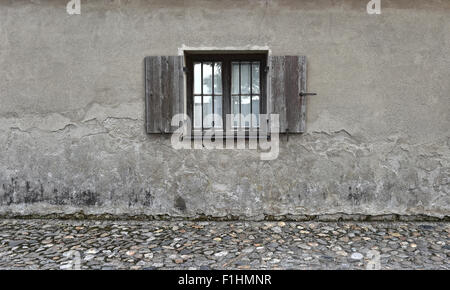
(197, 78)
(218, 111)
(207, 112)
(245, 78)
(207, 78)
(255, 111)
(245, 111)
(218, 78)
(197, 112)
(235, 110)
(255, 78)
(235, 78)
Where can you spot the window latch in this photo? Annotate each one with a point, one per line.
(307, 94)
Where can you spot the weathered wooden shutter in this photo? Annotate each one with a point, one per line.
(287, 80)
(164, 92)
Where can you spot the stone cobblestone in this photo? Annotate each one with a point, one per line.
(60, 244)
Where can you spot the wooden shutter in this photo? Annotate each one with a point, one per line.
(164, 92)
(287, 80)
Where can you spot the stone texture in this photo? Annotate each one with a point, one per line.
(112, 245)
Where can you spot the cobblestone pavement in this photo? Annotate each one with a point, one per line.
(56, 244)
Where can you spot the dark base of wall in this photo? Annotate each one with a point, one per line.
(302, 218)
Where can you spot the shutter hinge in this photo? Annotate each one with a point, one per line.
(184, 69)
(266, 69)
(307, 94)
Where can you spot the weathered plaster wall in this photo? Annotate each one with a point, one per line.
(72, 110)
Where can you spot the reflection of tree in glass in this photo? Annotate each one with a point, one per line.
(246, 79)
(206, 83)
(207, 78)
(255, 78)
(218, 78)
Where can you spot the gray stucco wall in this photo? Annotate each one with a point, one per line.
(72, 132)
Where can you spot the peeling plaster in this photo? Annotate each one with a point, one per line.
(120, 170)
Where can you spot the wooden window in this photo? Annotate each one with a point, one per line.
(245, 93)
(207, 94)
(221, 84)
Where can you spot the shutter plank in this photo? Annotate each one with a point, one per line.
(178, 87)
(173, 95)
(292, 93)
(154, 88)
(303, 98)
(277, 84)
(164, 96)
(147, 92)
(164, 92)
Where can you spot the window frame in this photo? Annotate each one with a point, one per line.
(226, 59)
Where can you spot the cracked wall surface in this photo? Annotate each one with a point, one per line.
(72, 134)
